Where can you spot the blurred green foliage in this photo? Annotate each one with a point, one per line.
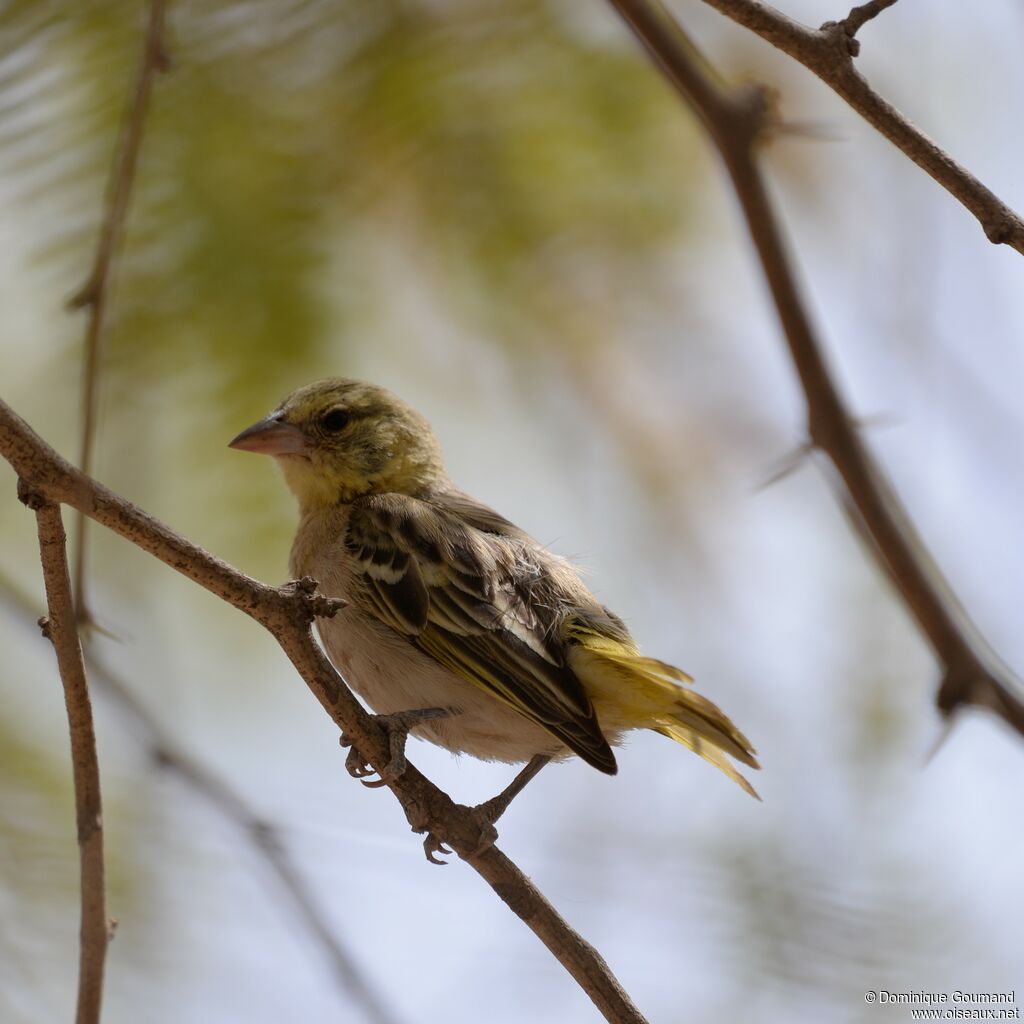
(508, 148)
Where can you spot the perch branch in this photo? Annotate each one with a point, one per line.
(828, 52)
(61, 629)
(203, 780)
(94, 294)
(288, 613)
(735, 119)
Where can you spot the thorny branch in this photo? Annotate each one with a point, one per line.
(288, 613)
(95, 293)
(828, 52)
(735, 119)
(61, 629)
(202, 779)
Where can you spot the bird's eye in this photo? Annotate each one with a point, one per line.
(335, 420)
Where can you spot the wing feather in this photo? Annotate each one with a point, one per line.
(466, 595)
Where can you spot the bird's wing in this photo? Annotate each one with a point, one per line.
(475, 594)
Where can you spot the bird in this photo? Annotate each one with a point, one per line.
(459, 627)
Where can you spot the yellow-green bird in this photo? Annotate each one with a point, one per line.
(460, 626)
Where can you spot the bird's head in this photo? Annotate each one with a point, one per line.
(338, 439)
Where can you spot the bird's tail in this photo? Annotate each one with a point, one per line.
(626, 686)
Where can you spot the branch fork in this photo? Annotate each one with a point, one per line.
(856, 19)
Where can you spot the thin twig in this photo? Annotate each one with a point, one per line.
(862, 14)
(95, 293)
(828, 52)
(287, 613)
(61, 629)
(972, 673)
(202, 779)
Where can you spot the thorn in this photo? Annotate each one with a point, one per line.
(87, 295)
(92, 626)
(878, 421)
(161, 58)
(755, 109)
(263, 832)
(88, 625)
(809, 131)
(944, 733)
(787, 465)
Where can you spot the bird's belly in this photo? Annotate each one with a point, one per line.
(391, 675)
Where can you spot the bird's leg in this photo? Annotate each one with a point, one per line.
(397, 727)
(491, 810)
(494, 808)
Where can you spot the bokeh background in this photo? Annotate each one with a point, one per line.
(497, 209)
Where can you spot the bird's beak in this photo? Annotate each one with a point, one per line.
(272, 436)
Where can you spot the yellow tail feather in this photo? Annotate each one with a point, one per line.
(630, 690)
(692, 739)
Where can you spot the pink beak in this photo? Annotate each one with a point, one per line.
(272, 436)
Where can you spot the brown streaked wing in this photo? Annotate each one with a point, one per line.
(462, 595)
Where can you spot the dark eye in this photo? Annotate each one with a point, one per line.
(335, 420)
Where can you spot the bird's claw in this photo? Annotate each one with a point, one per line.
(359, 768)
(397, 727)
(486, 815)
(433, 846)
(355, 764)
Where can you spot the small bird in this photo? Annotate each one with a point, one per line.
(460, 627)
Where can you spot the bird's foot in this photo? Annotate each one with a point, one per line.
(397, 727)
(489, 812)
(485, 835)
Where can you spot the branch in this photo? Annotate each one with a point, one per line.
(264, 836)
(287, 613)
(735, 118)
(828, 52)
(62, 631)
(95, 292)
(854, 21)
